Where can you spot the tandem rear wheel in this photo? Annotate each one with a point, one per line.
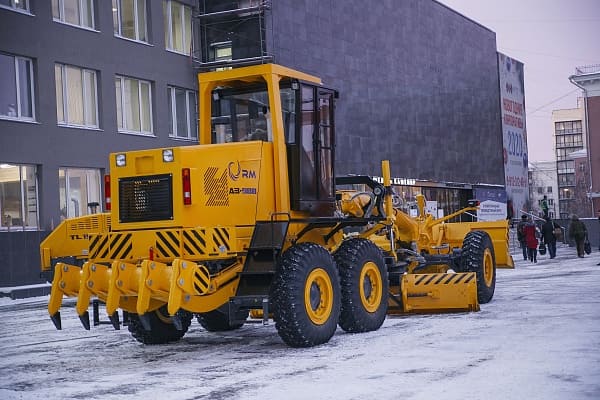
(478, 256)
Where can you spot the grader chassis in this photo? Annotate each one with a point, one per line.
(250, 220)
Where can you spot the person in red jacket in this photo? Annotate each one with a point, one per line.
(531, 241)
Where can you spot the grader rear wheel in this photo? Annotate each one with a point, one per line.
(478, 256)
(364, 284)
(162, 330)
(306, 296)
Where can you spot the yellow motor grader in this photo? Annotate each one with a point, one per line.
(253, 220)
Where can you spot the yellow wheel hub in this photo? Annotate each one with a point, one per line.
(370, 286)
(318, 296)
(488, 267)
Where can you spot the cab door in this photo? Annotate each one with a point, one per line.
(311, 154)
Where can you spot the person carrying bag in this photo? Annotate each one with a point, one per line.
(587, 246)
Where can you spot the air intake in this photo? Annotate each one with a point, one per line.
(146, 198)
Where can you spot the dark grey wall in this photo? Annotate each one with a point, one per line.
(418, 84)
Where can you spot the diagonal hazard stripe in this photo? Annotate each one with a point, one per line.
(188, 240)
(165, 241)
(124, 239)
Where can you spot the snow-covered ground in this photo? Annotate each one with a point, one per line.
(538, 339)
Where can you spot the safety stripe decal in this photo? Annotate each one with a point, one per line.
(200, 238)
(450, 279)
(104, 247)
(436, 279)
(172, 247)
(189, 241)
(116, 254)
(93, 248)
(200, 282)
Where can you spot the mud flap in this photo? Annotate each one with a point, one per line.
(442, 292)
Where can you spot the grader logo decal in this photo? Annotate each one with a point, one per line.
(235, 170)
(216, 188)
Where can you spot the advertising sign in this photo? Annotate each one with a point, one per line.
(492, 203)
(514, 133)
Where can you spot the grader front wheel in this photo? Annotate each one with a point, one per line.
(364, 284)
(306, 296)
(162, 329)
(478, 256)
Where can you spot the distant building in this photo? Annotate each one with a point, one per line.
(542, 182)
(588, 79)
(569, 137)
(580, 202)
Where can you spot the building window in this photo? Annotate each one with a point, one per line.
(16, 81)
(182, 113)
(79, 191)
(76, 96)
(74, 12)
(134, 105)
(178, 26)
(549, 189)
(129, 19)
(550, 202)
(15, 4)
(18, 197)
(540, 190)
(221, 51)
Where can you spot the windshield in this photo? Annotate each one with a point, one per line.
(244, 116)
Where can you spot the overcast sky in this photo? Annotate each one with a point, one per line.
(551, 37)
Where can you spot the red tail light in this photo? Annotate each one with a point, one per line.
(107, 192)
(187, 186)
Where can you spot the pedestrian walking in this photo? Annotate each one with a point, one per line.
(578, 232)
(521, 235)
(544, 205)
(531, 240)
(549, 236)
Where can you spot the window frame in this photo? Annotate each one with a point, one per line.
(68, 173)
(62, 20)
(119, 32)
(169, 28)
(23, 200)
(19, 116)
(123, 129)
(13, 7)
(86, 106)
(190, 119)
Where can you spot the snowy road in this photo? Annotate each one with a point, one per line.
(538, 339)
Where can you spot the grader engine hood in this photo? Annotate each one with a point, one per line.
(188, 186)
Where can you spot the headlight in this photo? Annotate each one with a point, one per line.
(168, 155)
(121, 161)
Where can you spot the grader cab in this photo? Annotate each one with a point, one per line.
(250, 220)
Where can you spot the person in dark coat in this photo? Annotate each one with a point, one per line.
(578, 231)
(531, 240)
(521, 235)
(549, 237)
